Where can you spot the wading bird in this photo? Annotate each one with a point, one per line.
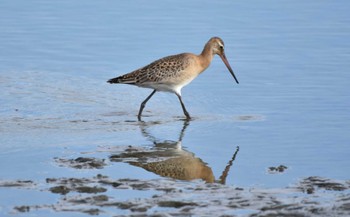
(172, 73)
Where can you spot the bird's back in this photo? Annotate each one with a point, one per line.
(162, 70)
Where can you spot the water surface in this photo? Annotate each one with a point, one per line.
(291, 107)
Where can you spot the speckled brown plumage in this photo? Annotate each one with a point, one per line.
(158, 71)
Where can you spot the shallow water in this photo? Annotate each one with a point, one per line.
(291, 107)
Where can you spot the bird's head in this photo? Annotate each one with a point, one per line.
(217, 46)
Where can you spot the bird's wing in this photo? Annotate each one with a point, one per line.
(157, 71)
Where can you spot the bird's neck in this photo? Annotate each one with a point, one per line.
(206, 56)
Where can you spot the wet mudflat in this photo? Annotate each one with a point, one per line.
(199, 192)
(79, 176)
(277, 144)
(312, 196)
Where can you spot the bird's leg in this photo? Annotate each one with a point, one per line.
(183, 107)
(144, 103)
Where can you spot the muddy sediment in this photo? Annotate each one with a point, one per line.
(187, 194)
(277, 169)
(192, 198)
(82, 163)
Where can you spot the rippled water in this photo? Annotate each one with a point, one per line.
(291, 107)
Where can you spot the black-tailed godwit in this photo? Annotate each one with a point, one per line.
(172, 73)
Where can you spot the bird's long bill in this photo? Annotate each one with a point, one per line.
(223, 57)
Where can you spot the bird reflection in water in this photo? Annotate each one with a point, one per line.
(168, 159)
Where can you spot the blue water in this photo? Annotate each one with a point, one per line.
(291, 106)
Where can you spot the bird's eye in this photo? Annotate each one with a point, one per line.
(221, 47)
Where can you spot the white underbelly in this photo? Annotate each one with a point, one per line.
(172, 87)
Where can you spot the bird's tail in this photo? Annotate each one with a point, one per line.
(124, 79)
(114, 80)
